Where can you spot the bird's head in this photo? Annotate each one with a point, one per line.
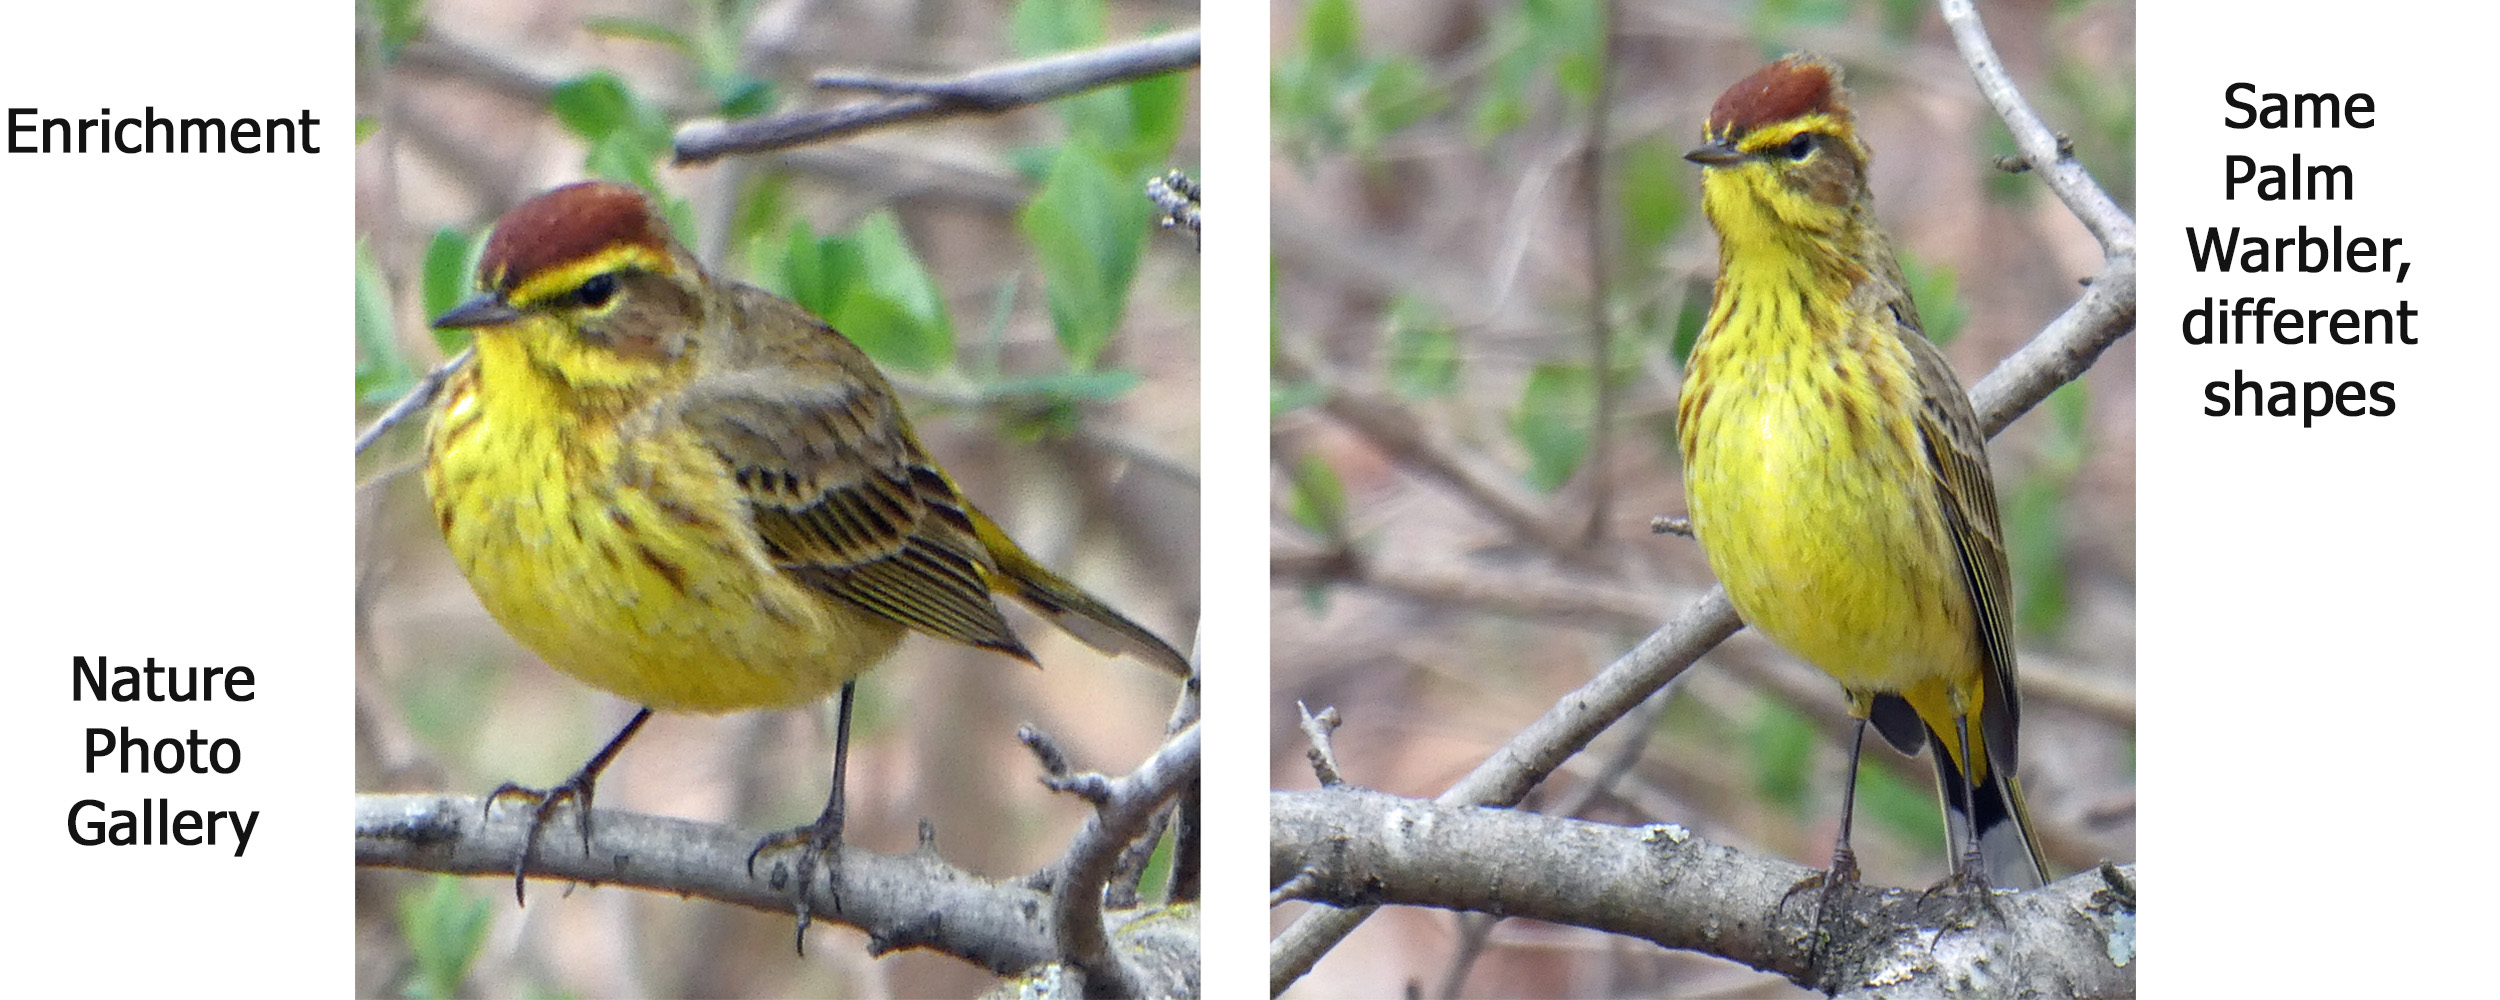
(586, 284)
(1780, 154)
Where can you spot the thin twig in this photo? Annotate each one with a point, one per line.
(1392, 427)
(1122, 808)
(1601, 293)
(1187, 830)
(986, 90)
(2039, 143)
(1321, 730)
(417, 399)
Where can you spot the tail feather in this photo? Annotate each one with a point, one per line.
(1069, 606)
(2008, 846)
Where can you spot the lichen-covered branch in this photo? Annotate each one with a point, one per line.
(1662, 883)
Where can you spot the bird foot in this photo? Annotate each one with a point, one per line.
(819, 845)
(543, 803)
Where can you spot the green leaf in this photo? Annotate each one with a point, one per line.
(1901, 18)
(1906, 810)
(1332, 31)
(450, 270)
(1938, 296)
(1534, 38)
(1397, 92)
(1551, 422)
(2033, 516)
(1158, 108)
(627, 135)
(897, 281)
(742, 96)
(2035, 513)
(1783, 746)
(620, 158)
(382, 372)
(1135, 125)
(595, 105)
(445, 929)
(873, 288)
(1318, 499)
(817, 273)
(1087, 228)
(1038, 27)
(634, 28)
(763, 202)
(1423, 351)
(1689, 322)
(396, 23)
(1653, 184)
(1286, 397)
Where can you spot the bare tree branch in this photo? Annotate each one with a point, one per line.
(2042, 148)
(1662, 883)
(988, 90)
(1122, 810)
(1053, 925)
(908, 901)
(1393, 428)
(1535, 752)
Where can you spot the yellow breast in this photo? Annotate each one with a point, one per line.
(629, 565)
(1815, 501)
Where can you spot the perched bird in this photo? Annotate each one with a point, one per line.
(1837, 476)
(696, 495)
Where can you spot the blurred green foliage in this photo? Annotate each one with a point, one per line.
(1328, 96)
(445, 926)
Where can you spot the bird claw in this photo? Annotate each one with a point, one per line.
(1842, 874)
(543, 803)
(818, 843)
(1969, 883)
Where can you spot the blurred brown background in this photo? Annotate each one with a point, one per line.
(460, 129)
(1434, 261)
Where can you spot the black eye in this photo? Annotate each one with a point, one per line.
(595, 292)
(1800, 146)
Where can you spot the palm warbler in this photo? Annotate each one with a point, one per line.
(696, 495)
(1837, 477)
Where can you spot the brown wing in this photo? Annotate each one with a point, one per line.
(840, 492)
(1957, 452)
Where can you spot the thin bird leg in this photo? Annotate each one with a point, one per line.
(1845, 860)
(1844, 870)
(817, 841)
(576, 788)
(1973, 869)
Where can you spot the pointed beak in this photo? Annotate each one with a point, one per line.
(1717, 154)
(482, 311)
